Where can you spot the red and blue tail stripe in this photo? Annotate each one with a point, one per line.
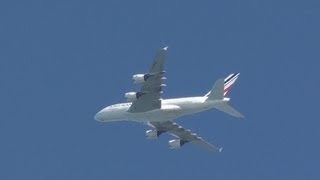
(229, 81)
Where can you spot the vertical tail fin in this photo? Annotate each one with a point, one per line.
(220, 88)
(217, 90)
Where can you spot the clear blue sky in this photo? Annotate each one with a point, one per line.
(61, 61)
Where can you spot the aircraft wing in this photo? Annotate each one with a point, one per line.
(183, 134)
(152, 87)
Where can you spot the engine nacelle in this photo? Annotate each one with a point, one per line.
(153, 134)
(176, 143)
(140, 78)
(131, 96)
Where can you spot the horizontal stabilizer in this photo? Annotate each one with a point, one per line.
(224, 107)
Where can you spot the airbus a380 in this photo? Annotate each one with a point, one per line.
(148, 107)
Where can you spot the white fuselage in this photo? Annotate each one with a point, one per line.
(170, 110)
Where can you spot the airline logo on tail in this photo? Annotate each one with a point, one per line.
(229, 81)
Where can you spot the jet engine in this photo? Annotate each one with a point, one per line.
(153, 134)
(176, 143)
(132, 96)
(140, 78)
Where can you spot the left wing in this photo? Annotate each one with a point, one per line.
(184, 135)
(151, 89)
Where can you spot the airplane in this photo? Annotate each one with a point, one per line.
(148, 107)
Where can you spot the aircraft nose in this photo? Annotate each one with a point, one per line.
(98, 116)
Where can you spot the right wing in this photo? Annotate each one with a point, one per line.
(152, 88)
(183, 134)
